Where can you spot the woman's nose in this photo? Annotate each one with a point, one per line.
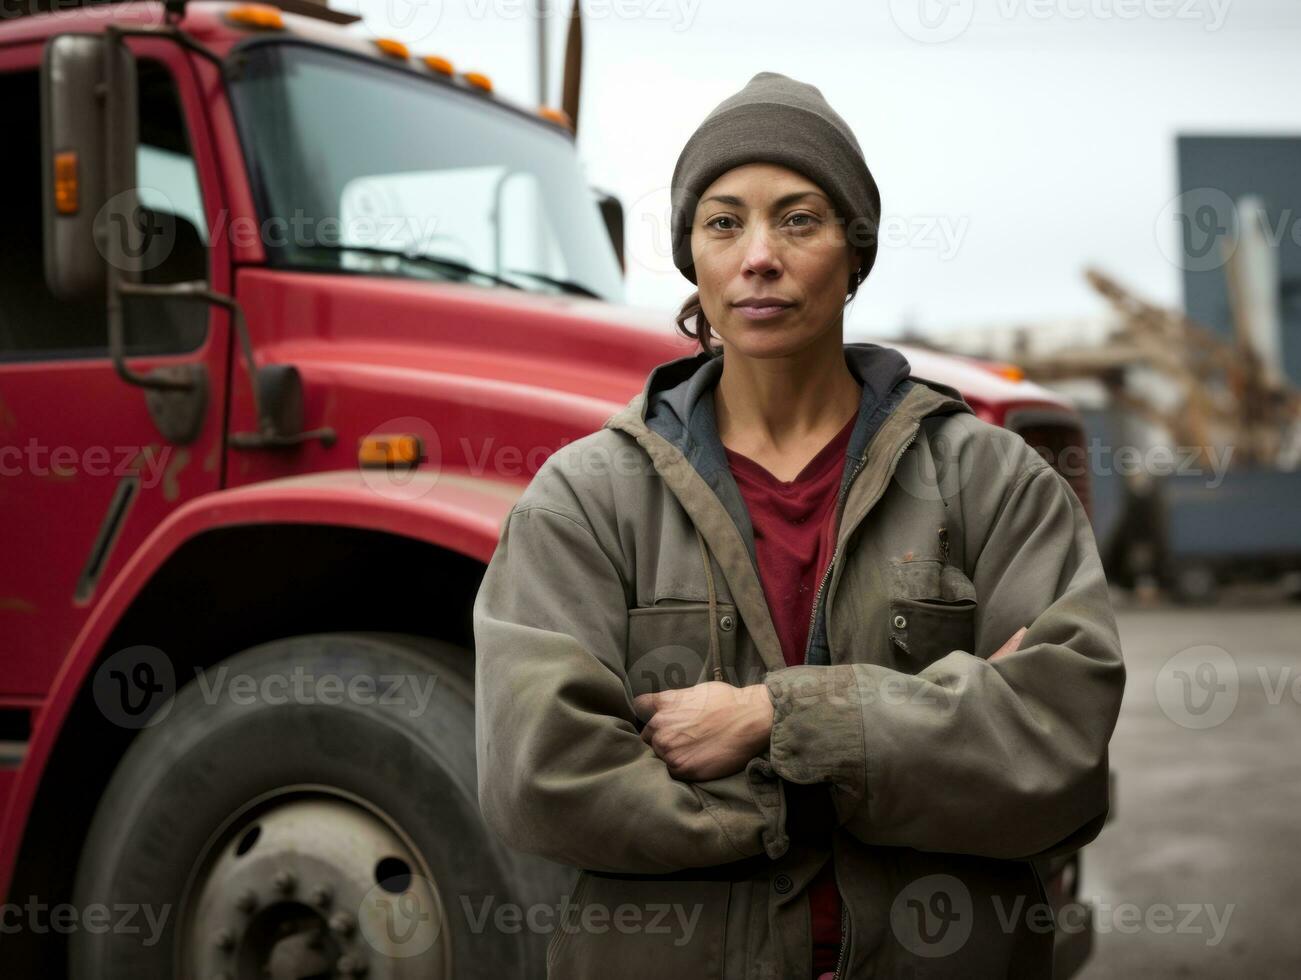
(761, 255)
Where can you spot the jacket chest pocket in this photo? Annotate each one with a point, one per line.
(669, 644)
(932, 611)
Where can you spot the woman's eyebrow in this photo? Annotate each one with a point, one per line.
(781, 202)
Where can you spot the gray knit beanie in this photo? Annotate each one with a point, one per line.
(776, 119)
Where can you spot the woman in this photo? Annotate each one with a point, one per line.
(749, 657)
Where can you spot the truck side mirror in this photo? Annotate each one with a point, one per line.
(88, 164)
(612, 212)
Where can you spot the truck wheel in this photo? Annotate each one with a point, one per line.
(308, 808)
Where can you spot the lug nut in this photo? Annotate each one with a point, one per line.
(247, 901)
(342, 923)
(322, 895)
(225, 939)
(284, 881)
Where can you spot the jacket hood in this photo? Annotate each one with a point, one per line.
(677, 404)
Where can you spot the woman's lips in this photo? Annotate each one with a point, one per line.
(762, 312)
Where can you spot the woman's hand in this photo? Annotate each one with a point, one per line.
(707, 731)
(1013, 642)
(713, 729)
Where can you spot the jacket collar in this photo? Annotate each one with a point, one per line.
(673, 419)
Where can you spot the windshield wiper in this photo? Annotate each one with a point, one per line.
(437, 262)
(568, 285)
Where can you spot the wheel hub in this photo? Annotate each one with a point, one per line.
(315, 887)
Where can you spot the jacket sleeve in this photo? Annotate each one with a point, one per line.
(562, 769)
(1005, 759)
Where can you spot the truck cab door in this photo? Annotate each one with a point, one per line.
(85, 474)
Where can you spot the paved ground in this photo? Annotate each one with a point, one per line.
(1206, 840)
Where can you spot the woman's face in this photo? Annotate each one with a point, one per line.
(762, 231)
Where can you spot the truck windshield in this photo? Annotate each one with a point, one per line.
(361, 167)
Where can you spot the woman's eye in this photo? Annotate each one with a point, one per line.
(809, 220)
(714, 222)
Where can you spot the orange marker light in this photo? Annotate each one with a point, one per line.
(65, 182)
(395, 49)
(556, 116)
(478, 80)
(396, 450)
(257, 15)
(441, 65)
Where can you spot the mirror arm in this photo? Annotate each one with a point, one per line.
(266, 437)
(196, 289)
(181, 378)
(173, 31)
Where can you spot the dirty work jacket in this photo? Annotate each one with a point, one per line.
(628, 566)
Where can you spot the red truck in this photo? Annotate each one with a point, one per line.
(288, 318)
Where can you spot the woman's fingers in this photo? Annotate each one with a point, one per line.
(1012, 643)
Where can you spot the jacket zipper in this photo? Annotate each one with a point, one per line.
(844, 934)
(840, 503)
(844, 922)
(844, 906)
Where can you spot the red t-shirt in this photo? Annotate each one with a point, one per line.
(794, 528)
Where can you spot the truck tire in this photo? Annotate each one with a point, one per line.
(270, 827)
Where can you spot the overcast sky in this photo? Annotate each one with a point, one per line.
(1014, 141)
